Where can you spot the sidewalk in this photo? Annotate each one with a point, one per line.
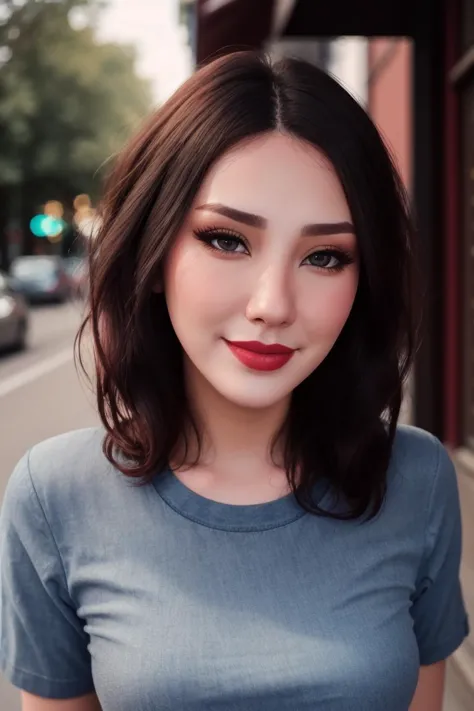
(457, 697)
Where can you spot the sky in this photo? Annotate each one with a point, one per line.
(152, 26)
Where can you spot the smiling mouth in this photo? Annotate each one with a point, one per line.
(260, 356)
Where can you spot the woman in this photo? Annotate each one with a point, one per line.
(286, 546)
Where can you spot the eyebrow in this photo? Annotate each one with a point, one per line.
(247, 218)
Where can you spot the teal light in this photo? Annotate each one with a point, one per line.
(36, 225)
(46, 226)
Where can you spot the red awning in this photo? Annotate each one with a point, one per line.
(227, 25)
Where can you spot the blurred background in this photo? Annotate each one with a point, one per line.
(77, 77)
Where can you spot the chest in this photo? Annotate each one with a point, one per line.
(256, 622)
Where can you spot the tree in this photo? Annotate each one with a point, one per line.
(67, 104)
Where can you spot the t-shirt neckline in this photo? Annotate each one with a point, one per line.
(230, 517)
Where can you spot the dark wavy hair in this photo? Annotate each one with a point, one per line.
(342, 419)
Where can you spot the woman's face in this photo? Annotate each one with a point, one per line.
(267, 256)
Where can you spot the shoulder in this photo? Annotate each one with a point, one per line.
(68, 452)
(73, 456)
(420, 467)
(415, 448)
(65, 468)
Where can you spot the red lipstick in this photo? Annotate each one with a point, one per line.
(259, 356)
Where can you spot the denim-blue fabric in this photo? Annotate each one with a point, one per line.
(161, 600)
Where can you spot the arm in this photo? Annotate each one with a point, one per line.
(29, 702)
(44, 646)
(430, 689)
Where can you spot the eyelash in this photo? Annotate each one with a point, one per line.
(208, 235)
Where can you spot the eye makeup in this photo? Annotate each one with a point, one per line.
(227, 242)
(222, 239)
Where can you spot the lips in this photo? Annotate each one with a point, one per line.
(260, 356)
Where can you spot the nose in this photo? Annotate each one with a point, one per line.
(272, 301)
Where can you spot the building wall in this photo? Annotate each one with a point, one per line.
(390, 105)
(389, 102)
(389, 97)
(459, 239)
(378, 73)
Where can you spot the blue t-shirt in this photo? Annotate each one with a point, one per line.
(162, 600)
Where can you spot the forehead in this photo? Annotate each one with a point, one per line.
(278, 177)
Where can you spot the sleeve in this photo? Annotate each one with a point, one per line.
(43, 645)
(440, 619)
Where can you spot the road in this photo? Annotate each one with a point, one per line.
(40, 396)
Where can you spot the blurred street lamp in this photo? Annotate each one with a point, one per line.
(81, 202)
(47, 226)
(85, 217)
(54, 208)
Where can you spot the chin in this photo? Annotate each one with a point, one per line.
(251, 397)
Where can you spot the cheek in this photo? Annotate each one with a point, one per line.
(195, 284)
(331, 305)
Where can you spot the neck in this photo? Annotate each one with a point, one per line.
(236, 441)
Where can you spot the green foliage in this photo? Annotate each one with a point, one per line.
(67, 103)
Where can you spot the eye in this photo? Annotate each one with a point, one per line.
(326, 260)
(222, 241)
(329, 259)
(228, 244)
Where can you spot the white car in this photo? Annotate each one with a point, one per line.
(14, 317)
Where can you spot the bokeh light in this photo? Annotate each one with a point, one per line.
(47, 226)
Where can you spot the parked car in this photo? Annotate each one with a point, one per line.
(42, 278)
(14, 317)
(76, 268)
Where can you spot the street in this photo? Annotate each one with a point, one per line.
(40, 396)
